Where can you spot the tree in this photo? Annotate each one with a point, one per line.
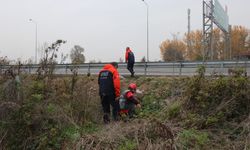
(41, 50)
(76, 55)
(95, 61)
(4, 61)
(179, 50)
(218, 44)
(63, 58)
(48, 62)
(172, 50)
(239, 40)
(194, 52)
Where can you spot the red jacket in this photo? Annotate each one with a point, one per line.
(131, 97)
(126, 55)
(116, 78)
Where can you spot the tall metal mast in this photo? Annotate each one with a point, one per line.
(207, 30)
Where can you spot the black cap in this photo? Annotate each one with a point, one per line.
(115, 64)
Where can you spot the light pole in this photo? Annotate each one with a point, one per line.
(147, 29)
(31, 20)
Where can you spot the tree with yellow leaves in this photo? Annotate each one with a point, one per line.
(172, 50)
(239, 40)
(180, 49)
(194, 51)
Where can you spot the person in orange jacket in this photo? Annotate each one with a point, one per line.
(109, 90)
(130, 60)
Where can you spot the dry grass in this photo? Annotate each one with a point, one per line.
(78, 104)
(147, 135)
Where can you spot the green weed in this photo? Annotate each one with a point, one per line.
(89, 128)
(193, 139)
(173, 110)
(127, 144)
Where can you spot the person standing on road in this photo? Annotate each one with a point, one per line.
(130, 60)
(109, 90)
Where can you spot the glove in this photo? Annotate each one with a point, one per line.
(138, 105)
(117, 98)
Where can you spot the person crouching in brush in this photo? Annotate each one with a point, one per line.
(128, 102)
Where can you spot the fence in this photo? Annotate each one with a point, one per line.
(150, 68)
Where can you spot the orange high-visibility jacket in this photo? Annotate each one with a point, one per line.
(127, 53)
(115, 77)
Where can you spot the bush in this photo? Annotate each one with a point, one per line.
(50, 114)
(192, 139)
(174, 110)
(127, 144)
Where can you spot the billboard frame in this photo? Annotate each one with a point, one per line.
(213, 13)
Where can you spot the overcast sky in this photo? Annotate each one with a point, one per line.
(104, 28)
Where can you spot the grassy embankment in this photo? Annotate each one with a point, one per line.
(177, 113)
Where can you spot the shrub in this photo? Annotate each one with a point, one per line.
(173, 110)
(192, 139)
(127, 144)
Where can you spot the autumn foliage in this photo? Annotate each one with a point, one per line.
(172, 50)
(190, 46)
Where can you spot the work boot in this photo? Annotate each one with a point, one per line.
(124, 117)
(116, 118)
(132, 74)
(106, 119)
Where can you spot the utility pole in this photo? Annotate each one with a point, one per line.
(188, 35)
(33, 21)
(147, 31)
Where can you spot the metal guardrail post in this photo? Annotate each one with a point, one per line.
(245, 68)
(173, 69)
(29, 69)
(222, 68)
(66, 69)
(180, 69)
(145, 68)
(88, 70)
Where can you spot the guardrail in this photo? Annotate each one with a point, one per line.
(141, 68)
